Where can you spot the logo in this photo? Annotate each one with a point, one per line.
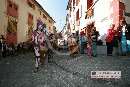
(106, 74)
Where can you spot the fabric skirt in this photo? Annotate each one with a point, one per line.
(43, 55)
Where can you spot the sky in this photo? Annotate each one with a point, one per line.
(57, 10)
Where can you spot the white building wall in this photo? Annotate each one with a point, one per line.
(81, 8)
(83, 14)
(102, 12)
(72, 21)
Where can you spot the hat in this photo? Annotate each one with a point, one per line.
(39, 24)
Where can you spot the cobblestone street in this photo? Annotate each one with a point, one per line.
(63, 71)
(64, 43)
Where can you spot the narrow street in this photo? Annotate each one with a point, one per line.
(97, 30)
(64, 71)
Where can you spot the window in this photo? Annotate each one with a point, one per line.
(89, 3)
(44, 16)
(121, 10)
(77, 15)
(80, 13)
(77, 2)
(39, 11)
(73, 2)
(50, 21)
(10, 5)
(12, 9)
(121, 5)
(15, 7)
(30, 19)
(49, 28)
(89, 10)
(31, 4)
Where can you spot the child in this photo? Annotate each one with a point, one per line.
(89, 50)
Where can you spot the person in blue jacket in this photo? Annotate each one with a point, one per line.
(94, 36)
(123, 37)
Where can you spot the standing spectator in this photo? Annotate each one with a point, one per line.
(4, 49)
(116, 42)
(128, 38)
(123, 38)
(94, 36)
(82, 42)
(109, 40)
(0, 48)
(3, 46)
(17, 47)
(119, 31)
(24, 47)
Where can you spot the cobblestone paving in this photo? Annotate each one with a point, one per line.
(63, 71)
(82, 67)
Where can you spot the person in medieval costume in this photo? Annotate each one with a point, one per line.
(38, 40)
(89, 45)
(73, 47)
(69, 44)
(36, 48)
(43, 46)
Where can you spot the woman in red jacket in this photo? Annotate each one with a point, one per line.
(109, 40)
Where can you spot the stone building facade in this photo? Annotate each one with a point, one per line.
(18, 18)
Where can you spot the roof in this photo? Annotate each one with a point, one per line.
(44, 11)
